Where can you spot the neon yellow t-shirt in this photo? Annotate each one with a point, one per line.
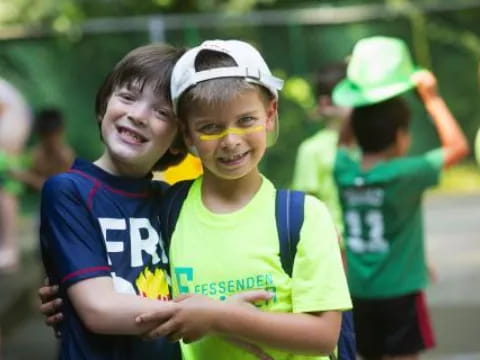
(221, 254)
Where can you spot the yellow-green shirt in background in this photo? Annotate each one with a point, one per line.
(314, 171)
(218, 255)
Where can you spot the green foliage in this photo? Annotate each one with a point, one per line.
(66, 70)
(62, 15)
(298, 90)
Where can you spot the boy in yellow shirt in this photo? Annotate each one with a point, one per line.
(226, 100)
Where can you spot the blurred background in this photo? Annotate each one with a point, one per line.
(57, 52)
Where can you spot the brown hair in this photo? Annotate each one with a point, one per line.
(151, 64)
(375, 126)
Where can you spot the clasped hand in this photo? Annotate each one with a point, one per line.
(193, 316)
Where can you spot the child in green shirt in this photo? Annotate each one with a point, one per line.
(381, 197)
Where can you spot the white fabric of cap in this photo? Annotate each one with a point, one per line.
(250, 66)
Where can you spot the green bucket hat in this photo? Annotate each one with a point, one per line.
(380, 68)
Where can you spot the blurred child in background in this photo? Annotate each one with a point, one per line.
(15, 122)
(14, 128)
(51, 155)
(381, 197)
(316, 155)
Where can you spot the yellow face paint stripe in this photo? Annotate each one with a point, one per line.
(231, 130)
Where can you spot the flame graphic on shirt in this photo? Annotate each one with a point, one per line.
(153, 285)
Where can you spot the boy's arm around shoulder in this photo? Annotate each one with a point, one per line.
(453, 141)
(74, 252)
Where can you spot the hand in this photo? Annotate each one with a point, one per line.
(249, 297)
(50, 306)
(197, 315)
(426, 85)
(192, 320)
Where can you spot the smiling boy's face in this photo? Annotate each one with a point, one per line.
(137, 128)
(231, 137)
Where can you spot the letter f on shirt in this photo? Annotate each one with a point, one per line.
(184, 276)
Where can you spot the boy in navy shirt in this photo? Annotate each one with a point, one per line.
(99, 220)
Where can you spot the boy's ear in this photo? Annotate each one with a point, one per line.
(272, 112)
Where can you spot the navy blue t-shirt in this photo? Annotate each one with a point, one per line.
(97, 224)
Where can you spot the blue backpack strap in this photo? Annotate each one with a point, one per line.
(347, 346)
(289, 214)
(172, 203)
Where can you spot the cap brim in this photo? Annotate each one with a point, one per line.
(347, 93)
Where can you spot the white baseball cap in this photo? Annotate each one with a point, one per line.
(250, 66)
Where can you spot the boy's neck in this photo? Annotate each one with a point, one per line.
(225, 196)
(369, 160)
(116, 168)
